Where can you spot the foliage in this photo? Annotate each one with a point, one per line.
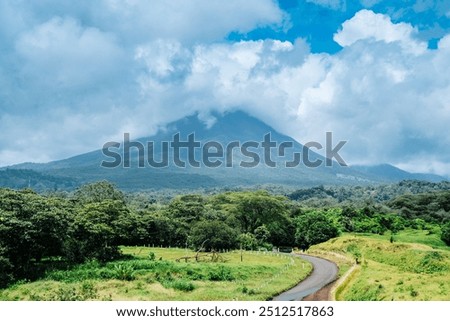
(258, 208)
(38, 181)
(445, 234)
(360, 195)
(123, 272)
(313, 228)
(94, 280)
(39, 233)
(432, 207)
(98, 192)
(248, 241)
(213, 235)
(391, 271)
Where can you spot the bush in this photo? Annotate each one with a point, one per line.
(355, 251)
(168, 281)
(123, 272)
(6, 276)
(445, 234)
(432, 262)
(182, 285)
(86, 291)
(248, 241)
(221, 273)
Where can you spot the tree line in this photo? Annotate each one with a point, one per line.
(38, 232)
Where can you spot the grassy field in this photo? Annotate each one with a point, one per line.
(391, 271)
(154, 274)
(413, 236)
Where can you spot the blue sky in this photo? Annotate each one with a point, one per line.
(74, 75)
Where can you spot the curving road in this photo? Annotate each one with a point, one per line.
(324, 272)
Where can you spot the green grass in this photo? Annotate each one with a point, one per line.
(392, 271)
(159, 276)
(412, 236)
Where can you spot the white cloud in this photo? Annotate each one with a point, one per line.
(164, 59)
(367, 25)
(196, 20)
(67, 86)
(74, 74)
(389, 101)
(444, 43)
(61, 53)
(138, 21)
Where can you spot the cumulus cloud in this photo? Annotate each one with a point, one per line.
(60, 53)
(388, 100)
(76, 74)
(70, 83)
(367, 25)
(188, 21)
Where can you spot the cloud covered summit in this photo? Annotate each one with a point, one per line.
(75, 75)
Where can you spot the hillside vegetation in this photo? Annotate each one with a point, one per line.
(390, 271)
(155, 274)
(46, 233)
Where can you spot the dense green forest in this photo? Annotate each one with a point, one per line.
(40, 232)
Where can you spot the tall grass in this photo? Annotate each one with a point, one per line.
(160, 277)
(392, 271)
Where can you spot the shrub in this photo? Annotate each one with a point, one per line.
(6, 276)
(221, 273)
(124, 272)
(445, 234)
(432, 262)
(182, 285)
(355, 251)
(86, 291)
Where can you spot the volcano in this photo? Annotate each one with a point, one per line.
(249, 161)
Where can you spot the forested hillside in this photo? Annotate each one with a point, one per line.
(42, 232)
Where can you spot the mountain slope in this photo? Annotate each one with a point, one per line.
(235, 128)
(391, 173)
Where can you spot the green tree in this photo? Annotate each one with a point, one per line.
(262, 234)
(282, 232)
(313, 228)
(93, 233)
(98, 192)
(31, 227)
(6, 268)
(131, 228)
(215, 235)
(187, 208)
(165, 231)
(254, 209)
(247, 241)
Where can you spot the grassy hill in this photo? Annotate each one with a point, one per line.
(399, 271)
